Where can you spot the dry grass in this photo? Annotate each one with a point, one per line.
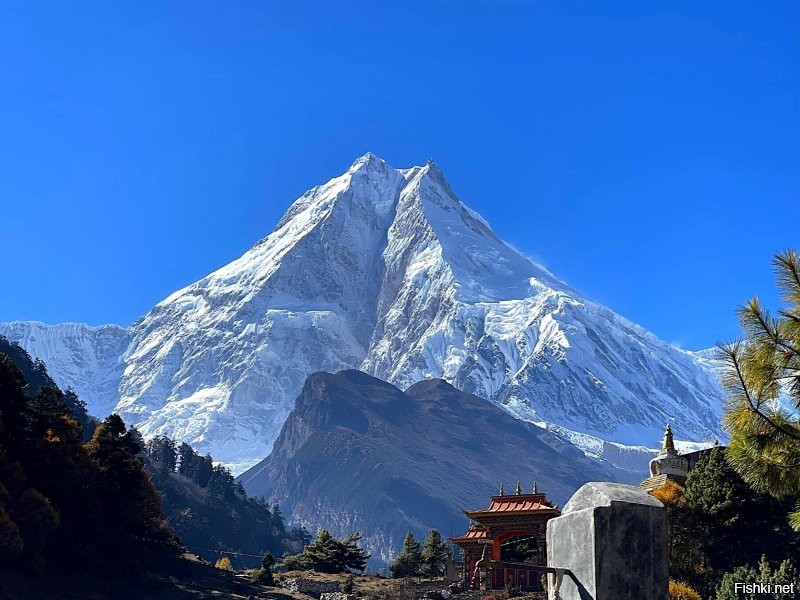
(367, 586)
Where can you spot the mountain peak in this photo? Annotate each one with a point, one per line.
(383, 270)
(368, 160)
(385, 463)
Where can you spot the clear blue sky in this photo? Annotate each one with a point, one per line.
(646, 152)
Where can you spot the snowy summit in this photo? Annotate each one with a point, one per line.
(387, 271)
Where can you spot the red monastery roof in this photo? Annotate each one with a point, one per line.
(517, 504)
(472, 535)
(514, 503)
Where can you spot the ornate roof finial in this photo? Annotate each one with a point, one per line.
(668, 444)
(535, 488)
(502, 491)
(518, 491)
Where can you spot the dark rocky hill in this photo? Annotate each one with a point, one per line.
(360, 454)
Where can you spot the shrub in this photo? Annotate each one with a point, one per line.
(681, 591)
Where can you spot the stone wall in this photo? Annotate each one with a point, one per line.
(311, 587)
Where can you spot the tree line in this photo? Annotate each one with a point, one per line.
(210, 511)
(67, 503)
(428, 560)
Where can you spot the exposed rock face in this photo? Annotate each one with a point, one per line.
(359, 454)
(384, 270)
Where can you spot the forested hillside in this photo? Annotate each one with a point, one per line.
(210, 512)
(56, 489)
(66, 505)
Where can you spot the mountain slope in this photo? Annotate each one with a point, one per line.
(85, 358)
(386, 270)
(357, 453)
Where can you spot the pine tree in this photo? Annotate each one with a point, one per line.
(75, 405)
(785, 574)
(11, 543)
(187, 461)
(434, 554)
(409, 562)
(324, 554)
(136, 438)
(221, 483)
(15, 413)
(355, 558)
(203, 471)
(163, 453)
(125, 490)
(64, 504)
(726, 515)
(265, 576)
(277, 518)
(76, 408)
(764, 436)
(47, 406)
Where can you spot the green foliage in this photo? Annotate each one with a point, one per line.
(293, 562)
(76, 408)
(114, 453)
(329, 555)
(354, 556)
(65, 504)
(265, 576)
(209, 510)
(324, 554)
(765, 437)
(163, 453)
(195, 467)
(221, 484)
(349, 584)
(11, 543)
(711, 526)
(519, 549)
(408, 562)
(434, 554)
(786, 574)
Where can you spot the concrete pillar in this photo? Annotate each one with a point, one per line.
(613, 540)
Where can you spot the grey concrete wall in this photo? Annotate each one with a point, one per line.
(613, 539)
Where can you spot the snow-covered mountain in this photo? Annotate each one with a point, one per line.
(387, 271)
(80, 356)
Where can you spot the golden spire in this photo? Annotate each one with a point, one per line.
(668, 444)
(518, 491)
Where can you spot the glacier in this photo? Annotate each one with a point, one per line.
(384, 270)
